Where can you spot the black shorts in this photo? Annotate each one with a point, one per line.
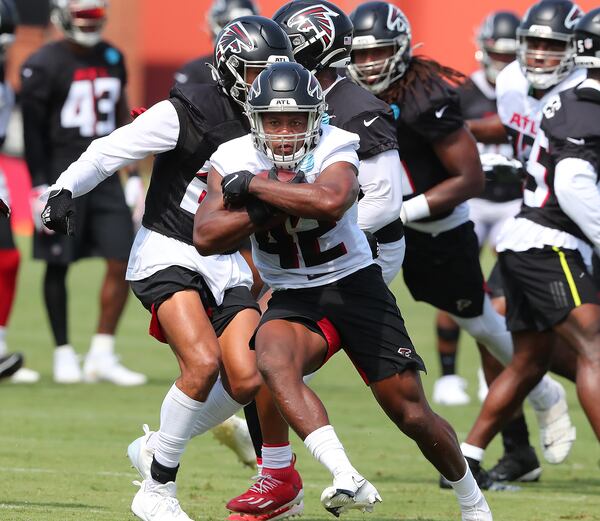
(157, 288)
(596, 270)
(6, 236)
(444, 270)
(103, 228)
(494, 283)
(542, 286)
(357, 313)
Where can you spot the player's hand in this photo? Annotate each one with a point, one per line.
(59, 212)
(235, 187)
(373, 243)
(134, 197)
(37, 204)
(4, 209)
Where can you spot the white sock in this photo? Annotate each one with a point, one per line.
(466, 489)
(308, 377)
(327, 449)
(471, 451)
(177, 416)
(545, 394)
(489, 328)
(276, 456)
(3, 347)
(102, 345)
(215, 410)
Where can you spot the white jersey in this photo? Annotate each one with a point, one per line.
(521, 113)
(303, 252)
(7, 101)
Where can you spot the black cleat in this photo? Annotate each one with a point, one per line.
(10, 364)
(518, 465)
(483, 479)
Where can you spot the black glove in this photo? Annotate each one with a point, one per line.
(373, 243)
(259, 211)
(235, 187)
(59, 212)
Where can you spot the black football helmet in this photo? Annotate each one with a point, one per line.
(587, 40)
(497, 35)
(551, 20)
(9, 20)
(247, 42)
(380, 24)
(320, 32)
(224, 11)
(286, 87)
(81, 21)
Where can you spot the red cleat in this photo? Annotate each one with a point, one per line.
(273, 491)
(276, 515)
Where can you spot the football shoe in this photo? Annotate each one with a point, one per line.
(66, 366)
(107, 368)
(450, 390)
(517, 465)
(480, 511)
(140, 455)
(233, 433)
(349, 492)
(157, 502)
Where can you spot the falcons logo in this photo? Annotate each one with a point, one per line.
(317, 20)
(234, 38)
(395, 19)
(573, 17)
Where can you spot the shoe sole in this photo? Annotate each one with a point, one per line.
(528, 477)
(288, 512)
(346, 506)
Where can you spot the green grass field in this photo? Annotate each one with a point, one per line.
(62, 448)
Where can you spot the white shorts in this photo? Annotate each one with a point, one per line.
(489, 217)
(391, 257)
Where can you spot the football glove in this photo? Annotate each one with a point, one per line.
(235, 187)
(59, 212)
(260, 212)
(373, 243)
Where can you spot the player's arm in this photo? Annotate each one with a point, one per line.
(327, 199)
(218, 229)
(488, 130)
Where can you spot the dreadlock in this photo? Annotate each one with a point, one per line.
(421, 71)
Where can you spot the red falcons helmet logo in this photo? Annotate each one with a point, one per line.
(396, 20)
(234, 38)
(315, 19)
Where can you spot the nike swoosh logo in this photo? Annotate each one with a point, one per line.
(231, 181)
(576, 141)
(440, 113)
(370, 122)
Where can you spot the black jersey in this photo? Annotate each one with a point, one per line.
(355, 109)
(207, 118)
(477, 104)
(68, 99)
(569, 129)
(431, 114)
(195, 71)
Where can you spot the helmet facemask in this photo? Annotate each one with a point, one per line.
(82, 21)
(544, 77)
(489, 52)
(377, 75)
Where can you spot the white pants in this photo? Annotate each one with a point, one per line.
(391, 257)
(489, 217)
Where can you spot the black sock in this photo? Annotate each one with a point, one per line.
(161, 473)
(515, 435)
(448, 363)
(251, 415)
(55, 297)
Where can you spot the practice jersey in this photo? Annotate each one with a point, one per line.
(303, 252)
(569, 129)
(430, 114)
(195, 71)
(519, 111)
(478, 101)
(207, 118)
(78, 94)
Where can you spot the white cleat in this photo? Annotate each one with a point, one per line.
(157, 502)
(108, 368)
(480, 511)
(140, 454)
(25, 376)
(350, 491)
(233, 433)
(66, 366)
(557, 433)
(450, 390)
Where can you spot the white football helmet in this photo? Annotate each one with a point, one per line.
(81, 21)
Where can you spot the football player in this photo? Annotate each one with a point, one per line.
(193, 299)
(73, 90)
(442, 172)
(221, 13)
(544, 252)
(328, 292)
(355, 110)
(9, 255)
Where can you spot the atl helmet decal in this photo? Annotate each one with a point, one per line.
(234, 38)
(573, 17)
(314, 88)
(255, 90)
(316, 19)
(395, 19)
